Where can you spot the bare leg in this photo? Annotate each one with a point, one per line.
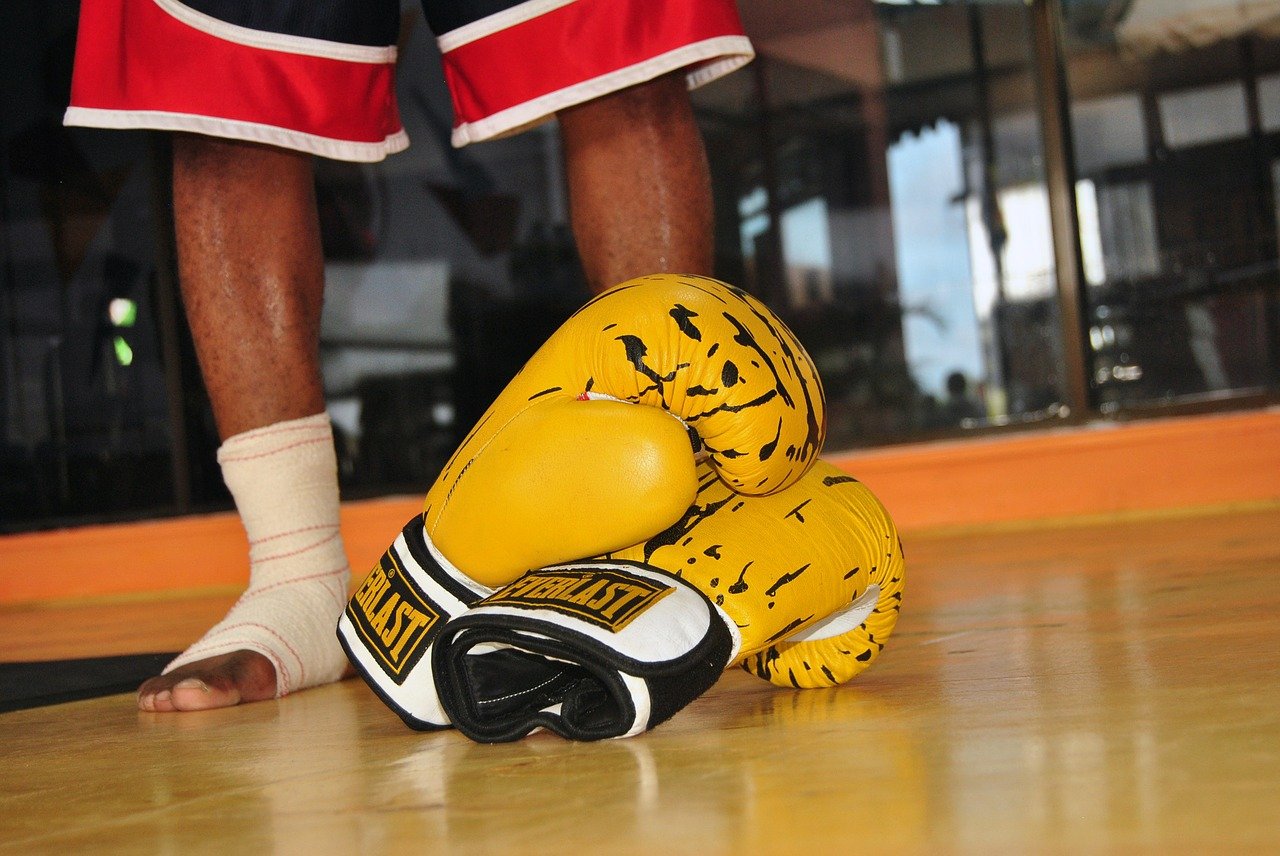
(639, 187)
(251, 269)
(252, 274)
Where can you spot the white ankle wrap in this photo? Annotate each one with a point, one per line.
(284, 479)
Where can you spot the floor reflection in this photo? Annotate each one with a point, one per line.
(1111, 687)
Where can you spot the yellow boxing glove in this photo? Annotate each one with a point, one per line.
(588, 449)
(812, 576)
(802, 587)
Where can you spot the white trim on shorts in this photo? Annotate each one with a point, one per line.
(497, 22)
(234, 129)
(540, 109)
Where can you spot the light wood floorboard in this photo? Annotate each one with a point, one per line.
(1100, 688)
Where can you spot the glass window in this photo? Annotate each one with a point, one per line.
(84, 395)
(1269, 101)
(935, 277)
(436, 257)
(1117, 231)
(882, 169)
(1178, 227)
(880, 179)
(1204, 114)
(1110, 132)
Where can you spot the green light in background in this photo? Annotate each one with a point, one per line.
(124, 354)
(123, 312)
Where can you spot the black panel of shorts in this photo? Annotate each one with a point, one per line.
(375, 23)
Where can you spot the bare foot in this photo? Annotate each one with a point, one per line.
(221, 681)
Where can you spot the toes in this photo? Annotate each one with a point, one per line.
(195, 694)
(153, 701)
(153, 695)
(221, 681)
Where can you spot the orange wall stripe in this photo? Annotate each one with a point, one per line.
(1189, 462)
(1159, 465)
(208, 551)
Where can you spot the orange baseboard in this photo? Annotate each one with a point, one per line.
(1101, 469)
(187, 553)
(1196, 462)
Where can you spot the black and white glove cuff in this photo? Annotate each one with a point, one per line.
(392, 621)
(589, 650)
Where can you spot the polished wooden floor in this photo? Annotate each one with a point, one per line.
(1103, 687)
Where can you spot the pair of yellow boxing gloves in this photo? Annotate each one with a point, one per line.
(640, 508)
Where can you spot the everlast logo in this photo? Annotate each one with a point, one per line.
(605, 598)
(394, 618)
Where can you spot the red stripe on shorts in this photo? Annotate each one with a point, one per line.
(573, 44)
(161, 64)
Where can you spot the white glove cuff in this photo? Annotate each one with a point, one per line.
(393, 619)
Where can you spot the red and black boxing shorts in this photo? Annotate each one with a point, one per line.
(318, 76)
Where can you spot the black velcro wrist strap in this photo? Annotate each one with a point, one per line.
(589, 650)
(393, 619)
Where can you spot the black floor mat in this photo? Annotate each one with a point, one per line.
(24, 685)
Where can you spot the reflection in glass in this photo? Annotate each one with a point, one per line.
(1204, 114)
(888, 197)
(879, 175)
(935, 276)
(85, 408)
(1175, 119)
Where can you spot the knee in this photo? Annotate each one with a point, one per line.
(661, 96)
(658, 102)
(224, 159)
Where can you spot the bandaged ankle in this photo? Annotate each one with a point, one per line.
(284, 480)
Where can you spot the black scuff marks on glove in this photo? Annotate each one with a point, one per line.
(814, 434)
(679, 531)
(745, 339)
(788, 630)
(547, 391)
(636, 351)
(763, 663)
(772, 591)
(767, 450)
(683, 316)
(729, 373)
(795, 512)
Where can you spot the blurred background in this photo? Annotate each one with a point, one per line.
(980, 217)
